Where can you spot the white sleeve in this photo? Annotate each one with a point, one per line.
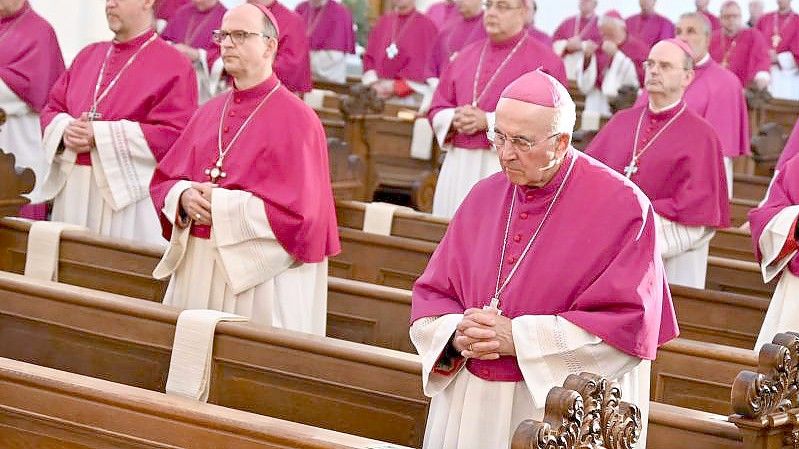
(620, 73)
(674, 238)
(60, 165)
(442, 122)
(122, 162)
(549, 348)
(10, 101)
(173, 255)
(248, 248)
(773, 239)
(430, 336)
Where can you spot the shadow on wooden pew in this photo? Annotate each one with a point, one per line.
(767, 146)
(346, 170)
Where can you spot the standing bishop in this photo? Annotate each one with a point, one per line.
(741, 50)
(715, 93)
(190, 31)
(649, 26)
(293, 61)
(244, 195)
(30, 63)
(464, 102)
(165, 9)
(506, 317)
(674, 155)
(109, 119)
(397, 59)
(780, 29)
(775, 236)
(328, 25)
(461, 30)
(701, 8)
(573, 34)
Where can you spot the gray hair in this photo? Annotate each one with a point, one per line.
(707, 27)
(269, 27)
(565, 111)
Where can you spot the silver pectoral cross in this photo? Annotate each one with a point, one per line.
(93, 115)
(630, 170)
(215, 172)
(494, 305)
(392, 50)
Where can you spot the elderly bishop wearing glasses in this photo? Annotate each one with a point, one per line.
(555, 285)
(244, 195)
(676, 158)
(109, 118)
(463, 105)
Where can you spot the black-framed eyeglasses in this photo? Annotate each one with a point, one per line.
(237, 36)
(518, 143)
(499, 6)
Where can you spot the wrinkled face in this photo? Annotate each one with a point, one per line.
(123, 15)
(202, 5)
(702, 4)
(469, 8)
(587, 7)
(504, 18)
(403, 5)
(8, 7)
(533, 123)
(647, 6)
(692, 31)
(255, 52)
(731, 19)
(665, 70)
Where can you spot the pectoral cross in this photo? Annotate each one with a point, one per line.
(775, 40)
(215, 172)
(630, 170)
(493, 305)
(392, 51)
(94, 115)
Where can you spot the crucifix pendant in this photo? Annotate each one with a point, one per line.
(392, 51)
(94, 115)
(630, 170)
(493, 305)
(215, 172)
(775, 40)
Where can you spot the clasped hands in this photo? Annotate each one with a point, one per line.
(469, 119)
(79, 135)
(196, 203)
(484, 334)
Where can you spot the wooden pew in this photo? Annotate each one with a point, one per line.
(339, 385)
(733, 243)
(412, 225)
(13, 184)
(45, 408)
(346, 170)
(750, 187)
(737, 276)
(343, 386)
(739, 208)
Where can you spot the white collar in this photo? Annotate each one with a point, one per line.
(704, 60)
(671, 106)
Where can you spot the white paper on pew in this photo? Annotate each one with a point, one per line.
(422, 139)
(190, 366)
(315, 98)
(378, 217)
(44, 240)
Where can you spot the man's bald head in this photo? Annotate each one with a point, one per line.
(668, 72)
(647, 6)
(9, 7)
(694, 29)
(730, 18)
(252, 57)
(129, 18)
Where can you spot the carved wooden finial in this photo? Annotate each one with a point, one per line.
(2, 116)
(586, 413)
(361, 100)
(774, 387)
(13, 184)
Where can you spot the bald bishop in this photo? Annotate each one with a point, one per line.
(244, 195)
(741, 50)
(675, 157)
(108, 121)
(462, 112)
(500, 320)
